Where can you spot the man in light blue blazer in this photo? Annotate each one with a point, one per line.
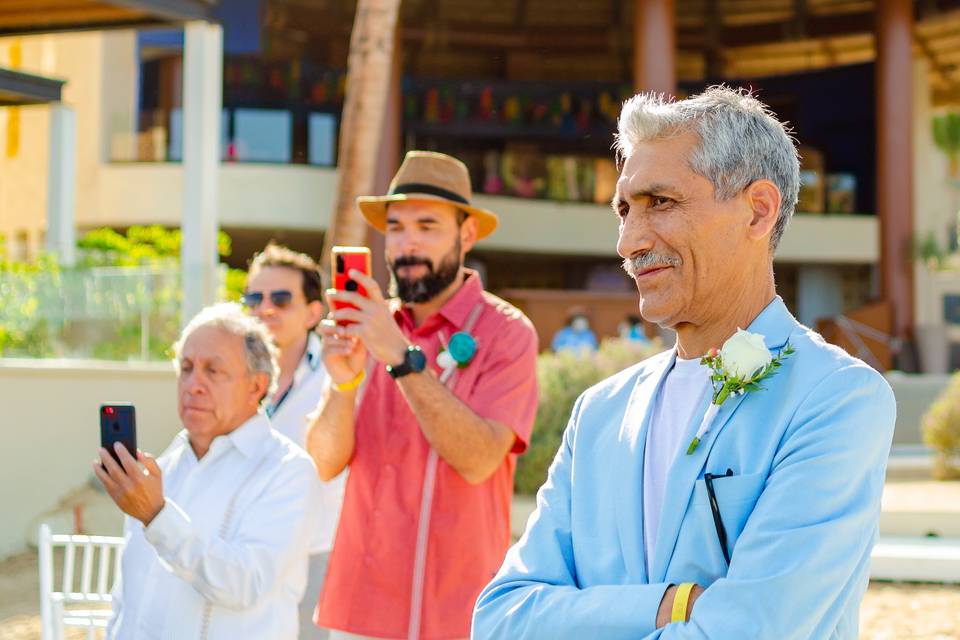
(732, 497)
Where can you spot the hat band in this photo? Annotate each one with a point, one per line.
(429, 189)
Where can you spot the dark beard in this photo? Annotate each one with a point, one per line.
(428, 287)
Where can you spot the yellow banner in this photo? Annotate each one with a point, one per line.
(13, 113)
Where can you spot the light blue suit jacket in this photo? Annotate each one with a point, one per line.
(801, 512)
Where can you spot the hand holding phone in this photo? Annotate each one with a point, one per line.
(344, 260)
(140, 494)
(118, 423)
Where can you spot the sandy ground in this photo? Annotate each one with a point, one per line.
(891, 611)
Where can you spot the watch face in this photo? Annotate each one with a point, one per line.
(417, 359)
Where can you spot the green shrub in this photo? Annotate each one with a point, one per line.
(24, 289)
(941, 431)
(562, 378)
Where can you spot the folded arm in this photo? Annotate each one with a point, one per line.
(536, 594)
(809, 535)
(796, 564)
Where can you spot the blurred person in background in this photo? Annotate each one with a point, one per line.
(433, 395)
(576, 335)
(220, 525)
(284, 290)
(632, 330)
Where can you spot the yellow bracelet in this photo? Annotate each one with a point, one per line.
(353, 384)
(680, 600)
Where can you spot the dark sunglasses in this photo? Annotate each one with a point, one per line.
(280, 298)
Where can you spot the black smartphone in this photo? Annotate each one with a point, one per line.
(118, 423)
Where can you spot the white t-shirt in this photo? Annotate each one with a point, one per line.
(681, 394)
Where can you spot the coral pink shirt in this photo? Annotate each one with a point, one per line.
(402, 566)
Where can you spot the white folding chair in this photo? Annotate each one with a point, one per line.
(67, 607)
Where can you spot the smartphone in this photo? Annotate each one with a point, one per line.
(345, 259)
(118, 423)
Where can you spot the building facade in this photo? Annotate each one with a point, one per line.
(527, 94)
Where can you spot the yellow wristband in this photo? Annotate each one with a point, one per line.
(353, 384)
(680, 601)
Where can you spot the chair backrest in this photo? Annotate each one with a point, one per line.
(90, 568)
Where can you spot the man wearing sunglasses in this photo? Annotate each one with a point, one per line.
(283, 290)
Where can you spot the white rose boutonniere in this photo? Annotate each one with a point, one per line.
(738, 367)
(744, 354)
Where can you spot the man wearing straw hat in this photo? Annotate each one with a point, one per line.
(433, 394)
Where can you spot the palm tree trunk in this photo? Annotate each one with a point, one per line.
(369, 66)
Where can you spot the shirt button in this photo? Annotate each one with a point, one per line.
(368, 560)
(389, 469)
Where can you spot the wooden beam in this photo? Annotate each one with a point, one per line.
(935, 63)
(800, 14)
(173, 10)
(67, 16)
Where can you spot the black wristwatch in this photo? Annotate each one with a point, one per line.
(413, 362)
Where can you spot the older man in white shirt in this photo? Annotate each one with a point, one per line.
(219, 526)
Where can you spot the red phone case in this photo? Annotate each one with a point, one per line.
(344, 260)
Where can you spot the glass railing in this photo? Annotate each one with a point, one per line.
(108, 313)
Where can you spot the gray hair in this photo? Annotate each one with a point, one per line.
(261, 353)
(741, 141)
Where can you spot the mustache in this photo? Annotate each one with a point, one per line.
(411, 261)
(649, 260)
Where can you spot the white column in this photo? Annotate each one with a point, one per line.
(202, 104)
(61, 237)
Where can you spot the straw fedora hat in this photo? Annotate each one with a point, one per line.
(432, 177)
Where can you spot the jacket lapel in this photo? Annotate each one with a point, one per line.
(775, 324)
(632, 439)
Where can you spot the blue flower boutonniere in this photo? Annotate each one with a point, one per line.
(458, 352)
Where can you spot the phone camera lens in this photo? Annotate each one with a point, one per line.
(350, 285)
(116, 427)
(341, 266)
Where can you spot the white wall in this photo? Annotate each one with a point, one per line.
(251, 195)
(49, 426)
(935, 201)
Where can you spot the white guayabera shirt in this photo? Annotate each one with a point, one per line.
(226, 557)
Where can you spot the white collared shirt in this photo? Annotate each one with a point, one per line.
(289, 417)
(226, 557)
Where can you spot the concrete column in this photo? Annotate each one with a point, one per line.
(654, 46)
(819, 293)
(202, 104)
(894, 75)
(61, 236)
